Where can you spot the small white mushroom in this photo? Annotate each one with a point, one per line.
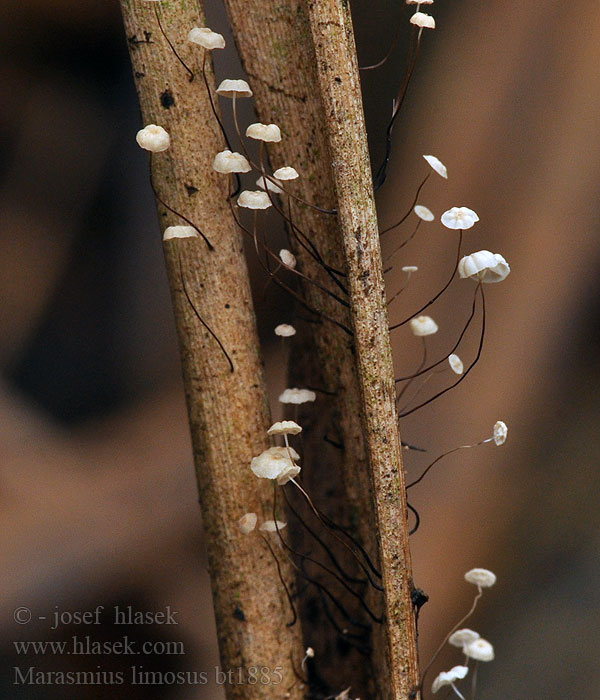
(459, 218)
(231, 162)
(437, 165)
(423, 325)
(264, 132)
(153, 138)
(462, 637)
(284, 427)
(297, 396)
(276, 463)
(287, 258)
(484, 266)
(286, 173)
(234, 88)
(500, 432)
(423, 213)
(206, 38)
(449, 677)
(285, 330)
(479, 649)
(423, 20)
(247, 522)
(456, 364)
(482, 578)
(179, 232)
(254, 199)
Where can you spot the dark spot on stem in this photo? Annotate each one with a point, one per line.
(191, 189)
(167, 100)
(238, 613)
(227, 306)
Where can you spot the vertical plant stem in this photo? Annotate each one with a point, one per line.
(278, 56)
(227, 410)
(333, 38)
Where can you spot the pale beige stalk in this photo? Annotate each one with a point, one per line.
(227, 410)
(278, 57)
(333, 37)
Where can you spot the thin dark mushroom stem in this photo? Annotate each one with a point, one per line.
(381, 175)
(439, 294)
(337, 528)
(327, 549)
(445, 358)
(316, 562)
(421, 387)
(347, 636)
(162, 31)
(404, 243)
(318, 258)
(438, 459)
(174, 211)
(417, 518)
(412, 206)
(287, 591)
(466, 372)
(399, 292)
(417, 373)
(288, 289)
(393, 45)
(196, 312)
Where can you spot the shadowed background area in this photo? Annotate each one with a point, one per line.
(99, 504)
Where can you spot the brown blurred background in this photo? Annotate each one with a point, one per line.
(99, 504)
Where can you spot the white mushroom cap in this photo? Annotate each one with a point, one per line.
(483, 578)
(419, 2)
(287, 258)
(423, 213)
(254, 200)
(456, 364)
(500, 432)
(285, 330)
(484, 266)
(286, 173)
(423, 20)
(284, 427)
(479, 649)
(206, 38)
(459, 218)
(462, 637)
(179, 232)
(266, 184)
(153, 138)
(270, 526)
(264, 132)
(423, 325)
(247, 522)
(297, 396)
(229, 88)
(275, 463)
(437, 165)
(449, 677)
(410, 268)
(231, 162)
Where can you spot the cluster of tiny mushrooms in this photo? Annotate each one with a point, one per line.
(280, 463)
